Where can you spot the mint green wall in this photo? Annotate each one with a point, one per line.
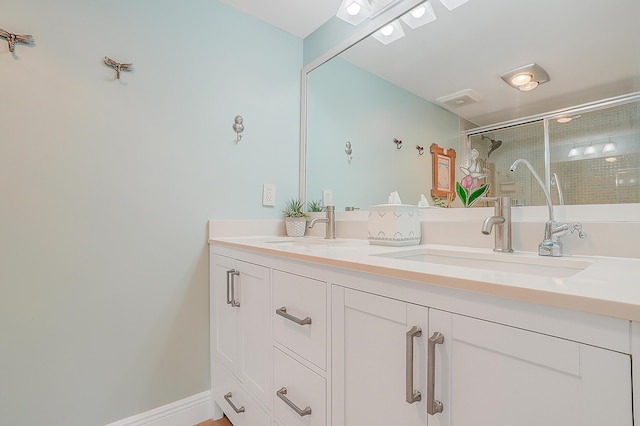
(347, 103)
(107, 186)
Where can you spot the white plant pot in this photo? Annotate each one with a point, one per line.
(295, 226)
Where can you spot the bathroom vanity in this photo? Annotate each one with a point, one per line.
(307, 331)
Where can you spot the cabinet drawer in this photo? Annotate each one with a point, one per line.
(302, 299)
(298, 390)
(239, 406)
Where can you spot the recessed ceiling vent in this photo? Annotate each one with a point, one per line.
(460, 99)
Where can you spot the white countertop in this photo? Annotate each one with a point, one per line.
(606, 286)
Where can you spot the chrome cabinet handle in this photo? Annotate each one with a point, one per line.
(283, 313)
(231, 297)
(412, 395)
(227, 398)
(433, 406)
(281, 394)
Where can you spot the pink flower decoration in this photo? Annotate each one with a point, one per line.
(469, 182)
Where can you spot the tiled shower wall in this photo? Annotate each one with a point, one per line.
(600, 178)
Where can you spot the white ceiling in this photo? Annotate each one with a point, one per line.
(591, 50)
(298, 17)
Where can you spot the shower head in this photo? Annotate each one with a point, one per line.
(494, 145)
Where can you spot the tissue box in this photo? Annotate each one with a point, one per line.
(394, 225)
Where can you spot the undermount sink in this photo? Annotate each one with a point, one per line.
(499, 262)
(304, 241)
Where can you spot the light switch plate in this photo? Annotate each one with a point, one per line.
(327, 197)
(269, 194)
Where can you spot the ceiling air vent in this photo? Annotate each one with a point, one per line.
(460, 99)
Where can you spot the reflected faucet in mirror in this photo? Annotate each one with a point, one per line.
(553, 231)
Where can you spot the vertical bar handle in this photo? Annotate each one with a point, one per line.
(411, 394)
(433, 406)
(227, 398)
(301, 412)
(231, 297)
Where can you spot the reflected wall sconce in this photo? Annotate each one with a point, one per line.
(238, 127)
(420, 149)
(526, 78)
(117, 66)
(12, 39)
(599, 148)
(398, 143)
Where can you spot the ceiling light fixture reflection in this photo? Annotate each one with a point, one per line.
(420, 15)
(611, 159)
(389, 33)
(354, 11)
(590, 150)
(526, 78)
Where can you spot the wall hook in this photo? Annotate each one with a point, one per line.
(348, 150)
(117, 66)
(12, 39)
(420, 149)
(398, 143)
(238, 127)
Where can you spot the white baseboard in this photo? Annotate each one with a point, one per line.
(185, 412)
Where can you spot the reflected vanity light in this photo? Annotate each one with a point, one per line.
(354, 11)
(573, 152)
(608, 147)
(389, 33)
(452, 4)
(526, 78)
(590, 150)
(420, 15)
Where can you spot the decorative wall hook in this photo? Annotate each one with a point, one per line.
(12, 39)
(117, 66)
(238, 127)
(348, 150)
(398, 143)
(420, 149)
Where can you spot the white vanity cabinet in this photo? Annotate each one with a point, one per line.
(299, 309)
(372, 376)
(488, 374)
(240, 337)
(484, 373)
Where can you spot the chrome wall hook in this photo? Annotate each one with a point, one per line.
(348, 150)
(238, 127)
(420, 149)
(12, 39)
(117, 66)
(398, 143)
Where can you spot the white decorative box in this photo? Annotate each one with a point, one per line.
(394, 225)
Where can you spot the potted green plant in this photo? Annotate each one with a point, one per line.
(294, 218)
(315, 206)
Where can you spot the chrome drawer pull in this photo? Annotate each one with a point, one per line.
(231, 297)
(433, 406)
(227, 398)
(283, 313)
(411, 394)
(281, 394)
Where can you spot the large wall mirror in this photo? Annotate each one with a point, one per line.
(441, 83)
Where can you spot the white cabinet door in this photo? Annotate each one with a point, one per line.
(240, 316)
(488, 374)
(371, 369)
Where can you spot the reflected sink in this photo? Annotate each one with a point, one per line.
(304, 241)
(499, 262)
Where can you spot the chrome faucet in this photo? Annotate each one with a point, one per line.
(553, 231)
(330, 220)
(501, 220)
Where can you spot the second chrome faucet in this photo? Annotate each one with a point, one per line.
(500, 223)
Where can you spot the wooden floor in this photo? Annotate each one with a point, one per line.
(222, 422)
